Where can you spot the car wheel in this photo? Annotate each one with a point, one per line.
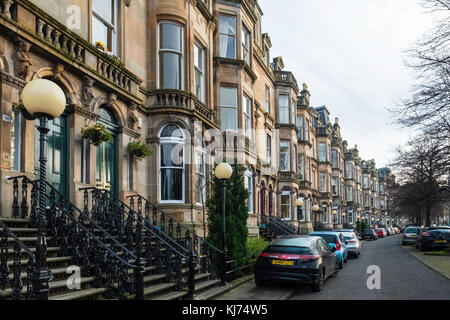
(260, 283)
(317, 287)
(422, 247)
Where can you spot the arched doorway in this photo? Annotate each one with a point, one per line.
(57, 153)
(107, 169)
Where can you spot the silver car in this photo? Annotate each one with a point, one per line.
(410, 235)
(353, 244)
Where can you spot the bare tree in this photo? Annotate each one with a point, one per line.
(422, 172)
(428, 108)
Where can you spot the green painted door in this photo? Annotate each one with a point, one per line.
(107, 166)
(57, 154)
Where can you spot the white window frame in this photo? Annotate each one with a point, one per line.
(198, 47)
(228, 35)
(112, 27)
(245, 43)
(283, 109)
(286, 193)
(247, 106)
(249, 181)
(174, 141)
(202, 153)
(222, 106)
(286, 142)
(161, 51)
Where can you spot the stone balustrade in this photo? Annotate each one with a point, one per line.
(180, 99)
(67, 44)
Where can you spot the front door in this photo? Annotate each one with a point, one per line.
(57, 153)
(107, 169)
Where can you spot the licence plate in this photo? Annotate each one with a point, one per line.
(283, 262)
(440, 241)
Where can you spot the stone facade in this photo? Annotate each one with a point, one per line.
(187, 65)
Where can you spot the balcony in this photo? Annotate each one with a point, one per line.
(305, 185)
(29, 22)
(179, 99)
(288, 176)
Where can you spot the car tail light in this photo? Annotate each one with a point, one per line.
(338, 246)
(265, 255)
(425, 234)
(351, 241)
(309, 257)
(404, 235)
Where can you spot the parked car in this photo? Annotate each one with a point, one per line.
(410, 235)
(381, 232)
(335, 239)
(388, 231)
(433, 237)
(397, 230)
(353, 244)
(301, 259)
(358, 236)
(369, 234)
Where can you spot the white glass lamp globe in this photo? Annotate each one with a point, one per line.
(43, 96)
(334, 212)
(343, 214)
(223, 171)
(315, 208)
(299, 202)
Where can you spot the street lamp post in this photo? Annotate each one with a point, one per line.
(343, 217)
(44, 100)
(334, 213)
(223, 172)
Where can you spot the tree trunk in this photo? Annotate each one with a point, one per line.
(428, 216)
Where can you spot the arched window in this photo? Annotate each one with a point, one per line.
(171, 159)
(249, 185)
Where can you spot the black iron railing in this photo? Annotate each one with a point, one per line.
(100, 256)
(277, 226)
(169, 255)
(15, 282)
(206, 252)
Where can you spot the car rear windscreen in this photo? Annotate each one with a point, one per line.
(288, 249)
(330, 238)
(412, 230)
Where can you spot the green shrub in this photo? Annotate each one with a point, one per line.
(96, 134)
(139, 149)
(254, 247)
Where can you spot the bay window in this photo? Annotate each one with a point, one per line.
(283, 106)
(285, 156)
(228, 108)
(245, 44)
(199, 65)
(300, 128)
(323, 181)
(200, 173)
(247, 105)
(322, 152)
(286, 205)
(267, 99)
(227, 36)
(171, 55)
(349, 193)
(301, 167)
(269, 149)
(171, 164)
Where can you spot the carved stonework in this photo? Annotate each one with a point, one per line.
(86, 91)
(58, 69)
(133, 119)
(23, 58)
(112, 98)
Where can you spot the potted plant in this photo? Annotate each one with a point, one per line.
(100, 46)
(139, 149)
(97, 134)
(23, 110)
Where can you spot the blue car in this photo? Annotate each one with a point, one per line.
(335, 239)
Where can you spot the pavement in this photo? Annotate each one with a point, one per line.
(402, 277)
(440, 264)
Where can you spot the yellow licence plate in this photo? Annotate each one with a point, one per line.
(440, 241)
(283, 262)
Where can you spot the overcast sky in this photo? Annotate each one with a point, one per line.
(351, 55)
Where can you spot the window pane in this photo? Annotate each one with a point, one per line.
(170, 36)
(285, 206)
(283, 105)
(99, 32)
(104, 8)
(227, 24)
(227, 46)
(228, 97)
(170, 70)
(171, 184)
(228, 118)
(16, 140)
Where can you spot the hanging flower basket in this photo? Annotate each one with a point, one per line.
(25, 113)
(96, 134)
(139, 149)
